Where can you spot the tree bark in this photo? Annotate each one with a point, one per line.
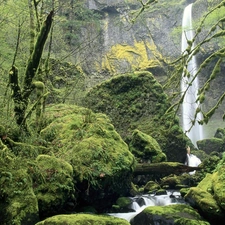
(163, 168)
(21, 95)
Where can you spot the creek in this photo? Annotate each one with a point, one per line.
(139, 203)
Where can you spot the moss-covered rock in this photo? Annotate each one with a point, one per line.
(122, 205)
(83, 219)
(137, 101)
(218, 184)
(206, 204)
(172, 214)
(18, 203)
(151, 187)
(146, 148)
(211, 144)
(98, 155)
(53, 184)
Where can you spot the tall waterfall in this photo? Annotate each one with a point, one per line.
(189, 105)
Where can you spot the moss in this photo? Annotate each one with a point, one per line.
(53, 184)
(123, 202)
(151, 187)
(174, 214)
(205, 202)
(136, 56)
(97, 153)
(218, 186)
(137, 101)
(83, 219)
(18, 204)
(146, 148)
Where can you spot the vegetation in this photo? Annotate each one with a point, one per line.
(60, 158)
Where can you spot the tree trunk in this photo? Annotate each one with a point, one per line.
(21, 95)
(163, 168)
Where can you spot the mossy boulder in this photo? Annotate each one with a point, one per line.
(53, 184)
(208, 196)
(137, 101)
(205, 203)
(176, 181)
(122, 205)
(98, 155)
(151, 187)
(83, 219)
(212, 144)
(218, 183)
(18, 203)
(145, 148)
(177, 214)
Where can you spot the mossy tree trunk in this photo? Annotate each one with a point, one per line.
(163, 168)
(21, 94)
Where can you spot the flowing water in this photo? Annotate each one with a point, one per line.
(189, 105)
(139, 203)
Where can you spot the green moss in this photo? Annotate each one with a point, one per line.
(175, 214)
(137, 101)
(146, 148)
(151, 187)
(97, 153)
(18, 204)
(218, 186)
(52, 182)
(204, 201)
(123, 202)
(83, 219)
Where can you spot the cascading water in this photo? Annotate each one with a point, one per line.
(189, 105)
(141, 202)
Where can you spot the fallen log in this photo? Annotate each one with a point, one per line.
(163, 168)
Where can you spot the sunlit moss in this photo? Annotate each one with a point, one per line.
(136, 56)
(83, 219)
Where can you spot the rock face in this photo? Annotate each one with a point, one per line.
(137, 101)
(144, 43)
(128, 41)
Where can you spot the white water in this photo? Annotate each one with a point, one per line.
(147, 201)
(192, 161)
(189, 105)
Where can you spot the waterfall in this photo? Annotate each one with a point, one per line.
(189, 105)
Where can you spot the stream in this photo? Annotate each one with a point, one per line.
(139, 203)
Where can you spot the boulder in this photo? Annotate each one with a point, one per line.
(176, 214)
(211, 144)
(53, 184)
(208, 198)
(145, 148)
(137, 101)
(18, 203)
(83, 219)
(218, 184)
(206, 204)
(99, 157)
